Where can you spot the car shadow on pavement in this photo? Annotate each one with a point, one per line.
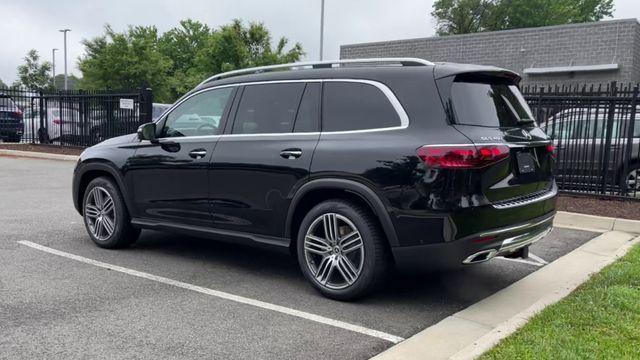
(268, 267)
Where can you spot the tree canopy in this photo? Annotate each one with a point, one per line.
(470, 16)
(174, 62)
(34, 74)
(2, 84)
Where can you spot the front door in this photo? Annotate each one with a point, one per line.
(170, 178)
(264, 156)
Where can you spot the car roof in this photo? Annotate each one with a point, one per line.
(376, 73)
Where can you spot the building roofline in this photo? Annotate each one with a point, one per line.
(490, 33)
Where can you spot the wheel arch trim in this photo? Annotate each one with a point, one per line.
(97, 165)
(361, 190)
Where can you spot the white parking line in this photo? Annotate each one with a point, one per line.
(523, 261)
(538, 258)
(221, 294)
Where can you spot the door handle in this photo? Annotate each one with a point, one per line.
(198, 153)
(291, 153)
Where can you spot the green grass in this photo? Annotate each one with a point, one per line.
(599, 320)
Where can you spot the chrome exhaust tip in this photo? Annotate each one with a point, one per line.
(481, 256)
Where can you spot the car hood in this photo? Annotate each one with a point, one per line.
(118, 140)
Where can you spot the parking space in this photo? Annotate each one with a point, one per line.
(60, 306)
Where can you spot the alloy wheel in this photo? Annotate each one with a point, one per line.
(100, 213)
(632, 181)
(334, 251)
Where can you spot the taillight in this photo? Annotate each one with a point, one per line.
(551, 149)
(57, 121)
(463, 156)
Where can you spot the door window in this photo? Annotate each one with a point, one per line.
(308, 118)
(199, 115)
(356, 106)
(268, 108)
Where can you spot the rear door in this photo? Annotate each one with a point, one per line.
(489, 109)
(264, 156)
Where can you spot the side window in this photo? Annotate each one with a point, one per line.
(268, 108)
(356, 106)
(198, 115)
(308, 118)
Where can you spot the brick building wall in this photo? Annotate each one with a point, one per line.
(598, 43)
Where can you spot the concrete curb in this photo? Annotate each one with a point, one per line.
(37, 155)
(595, 223)
(476, 329)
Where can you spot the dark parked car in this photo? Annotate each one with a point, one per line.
(580, 138)
(11, 120)
(355, 166)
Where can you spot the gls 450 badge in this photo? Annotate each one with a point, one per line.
(490, 138)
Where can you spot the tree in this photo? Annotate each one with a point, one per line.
(127, 60)
(72, 80)
(469, 16)
(33, 74)
(2, 84)
(176, 61)
(182, 45)
(236, 46)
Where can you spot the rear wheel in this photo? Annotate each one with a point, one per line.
(105, 215)
(630, 181)
(341, 250)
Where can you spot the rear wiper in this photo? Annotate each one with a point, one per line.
(525, 121)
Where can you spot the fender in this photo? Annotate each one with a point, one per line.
(101, 165)
(366, 193)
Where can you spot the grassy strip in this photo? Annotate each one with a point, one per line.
(599, 320)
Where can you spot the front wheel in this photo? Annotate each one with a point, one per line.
(341, 250)
(105, 215)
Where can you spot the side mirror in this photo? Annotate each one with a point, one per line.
(147, 132)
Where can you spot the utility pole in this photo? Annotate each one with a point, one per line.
(321, 28)
(66, 80)
(53, 68)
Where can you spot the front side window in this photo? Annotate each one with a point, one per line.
(199, 115)
(268, 108)
(356, 106)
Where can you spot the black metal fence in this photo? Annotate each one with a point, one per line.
(596, 132)
(71, 118)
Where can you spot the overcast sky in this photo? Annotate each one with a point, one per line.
(28, 24)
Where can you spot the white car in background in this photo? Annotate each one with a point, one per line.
(59, 123)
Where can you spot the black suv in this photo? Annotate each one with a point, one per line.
(354, 165)
(11, 120)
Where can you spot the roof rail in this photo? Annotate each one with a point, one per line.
(401, 61)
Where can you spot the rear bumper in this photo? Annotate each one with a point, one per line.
(473, 249)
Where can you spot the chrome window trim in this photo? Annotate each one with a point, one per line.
(393, 100)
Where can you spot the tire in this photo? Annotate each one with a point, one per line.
(14, 139)
(317, 258)
(105, 215)
(631, 180)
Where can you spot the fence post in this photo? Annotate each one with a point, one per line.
(607, 146)
(146, 106)
(626, 156)
(41, 129)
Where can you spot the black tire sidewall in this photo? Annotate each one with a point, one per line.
(119, 236)
(371, 238)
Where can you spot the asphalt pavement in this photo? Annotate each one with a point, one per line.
(54, 306)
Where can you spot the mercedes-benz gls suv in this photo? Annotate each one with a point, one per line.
(356, 166)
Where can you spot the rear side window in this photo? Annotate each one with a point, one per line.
(492, 104)
(356, 106)
(268, 108)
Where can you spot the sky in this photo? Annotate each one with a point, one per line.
(34, 24)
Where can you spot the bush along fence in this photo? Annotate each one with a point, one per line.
(596, 131)
(71, 118)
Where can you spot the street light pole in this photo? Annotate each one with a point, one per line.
(321, 28)
(66, 80)
(53, 68)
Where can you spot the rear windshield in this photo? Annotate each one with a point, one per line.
(495, 104)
